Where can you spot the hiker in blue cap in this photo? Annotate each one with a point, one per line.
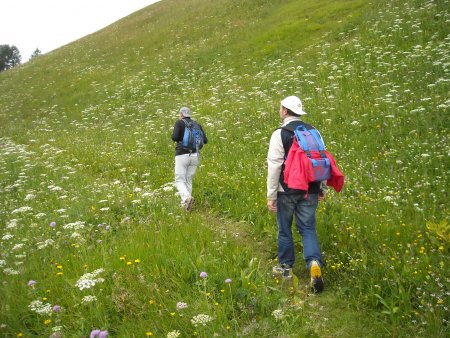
(190, 138)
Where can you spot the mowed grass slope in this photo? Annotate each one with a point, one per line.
(85, 143)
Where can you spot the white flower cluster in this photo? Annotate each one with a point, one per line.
(57, 328)
(88, 299)
(9, 272)
(278, 314)
(21, 210)
(2, 263)
(88, 280)
(40, 308)
(30, 197)
(17, 246)
(12, 224)
(46, 243)
(201, 319)
(7, 237)
(173, 334)
(78, 225)
(85, 284)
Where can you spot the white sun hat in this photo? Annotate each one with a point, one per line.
(294, 104)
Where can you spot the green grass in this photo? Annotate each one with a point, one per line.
(85, 142)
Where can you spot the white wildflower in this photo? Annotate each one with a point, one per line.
(18, 246)
(201, 319)
(12, 224)
(78, 225)
(7, 237)
(9, 271)
(57, 328)
(40, 308)
(2, 263)
(21, 210)
(89, 280)
(88, 299)
(278, 314)
(30, 197)
(46, 243)
(173, 334)
(85, 284)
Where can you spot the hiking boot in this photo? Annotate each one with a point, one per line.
(189, 203)
(317, 284)
(284, 271)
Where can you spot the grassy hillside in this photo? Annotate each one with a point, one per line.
(89, 212)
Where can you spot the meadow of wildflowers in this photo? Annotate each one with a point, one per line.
(93, 243)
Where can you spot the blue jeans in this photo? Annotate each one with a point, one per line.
(305, 216)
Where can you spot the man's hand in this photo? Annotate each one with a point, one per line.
(272, 205)
(322, 196)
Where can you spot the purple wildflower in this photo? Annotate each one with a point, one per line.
(203, 274)
(181, 306)
(107, 227)
(228, 280)
(56, 308)
(31, 282)
(100, 225)
(103, 334)
(52, 224)
(94, 333)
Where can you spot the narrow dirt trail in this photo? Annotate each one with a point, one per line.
(325, 315)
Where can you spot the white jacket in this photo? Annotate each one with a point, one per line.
(275, 160)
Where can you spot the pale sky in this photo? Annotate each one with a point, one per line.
(49, 24)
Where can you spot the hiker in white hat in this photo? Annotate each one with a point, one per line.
(288, 202)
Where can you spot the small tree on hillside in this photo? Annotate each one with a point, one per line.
(36, 53)
(9, 57)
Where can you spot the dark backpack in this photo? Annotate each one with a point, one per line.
(193, 136)
(311, 142)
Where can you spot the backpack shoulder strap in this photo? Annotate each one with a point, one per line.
(187, 123)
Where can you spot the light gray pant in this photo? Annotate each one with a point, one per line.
(185, 167)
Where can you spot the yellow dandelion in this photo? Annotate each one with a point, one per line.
(172, 314)
(60, 273)
(149, 334)
(122, 258)
(59, 267)
(129, 263)
(222, 290)
(47, 322)
(440, 301)
(20, 334)
(44, 299)
(151, 301)
(137, 260)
